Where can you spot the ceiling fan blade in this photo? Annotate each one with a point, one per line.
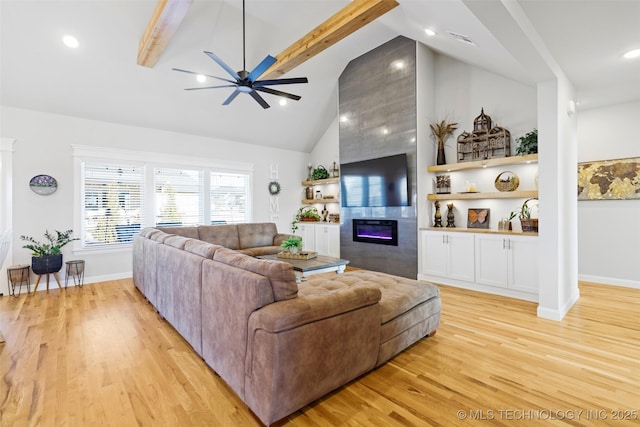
(281, 81)
(210, 87)
(221, 63)
(231, 97)
(278, 92)
(261, 68)
(260, 99)
(202, 74)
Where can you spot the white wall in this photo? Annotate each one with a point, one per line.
(43, 146)
(609, 230)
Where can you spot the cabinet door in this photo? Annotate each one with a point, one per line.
(307, 232)
(433, 253)
(328, 240)
(523, 263)
(460, 256)
(492, 254)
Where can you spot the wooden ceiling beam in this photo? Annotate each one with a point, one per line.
(345, 22)
(163, 24)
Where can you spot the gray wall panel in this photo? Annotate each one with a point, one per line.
(375, 95)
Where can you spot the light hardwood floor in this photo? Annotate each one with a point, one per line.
(101, 356)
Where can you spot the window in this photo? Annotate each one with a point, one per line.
(229, 197)
(117, 197)
(112, 203)
(178, 198)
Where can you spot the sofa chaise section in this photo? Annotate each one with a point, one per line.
(277, 350)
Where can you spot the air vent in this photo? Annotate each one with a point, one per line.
(462, 38)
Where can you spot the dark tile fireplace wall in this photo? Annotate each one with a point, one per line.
(377, 107)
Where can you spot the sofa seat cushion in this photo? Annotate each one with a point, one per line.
(279, 273)
(261, 250)
(399, 294)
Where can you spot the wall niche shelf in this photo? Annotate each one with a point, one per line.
(526, 194)
(320, 182)
(487, 163)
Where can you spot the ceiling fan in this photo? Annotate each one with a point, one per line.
(247, 82)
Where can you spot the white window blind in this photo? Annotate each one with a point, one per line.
(178, 197)
(112, 203)
(229, 198)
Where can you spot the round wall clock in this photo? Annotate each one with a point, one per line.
(274, 188)
(43, 184)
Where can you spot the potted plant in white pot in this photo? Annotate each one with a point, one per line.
(292, 244)
(47, 257)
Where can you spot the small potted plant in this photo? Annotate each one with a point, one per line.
(528, 143)
(292, 244)
(528, 224)
(47, 257)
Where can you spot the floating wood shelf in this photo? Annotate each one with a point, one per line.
(527, 194)
(321, 181)
(488, 163)
(315, 201)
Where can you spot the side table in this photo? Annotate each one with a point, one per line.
(18, 275)
(75, 269)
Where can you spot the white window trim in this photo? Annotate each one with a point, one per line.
(84, 153)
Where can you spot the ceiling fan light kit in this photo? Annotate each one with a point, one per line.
(247, 82)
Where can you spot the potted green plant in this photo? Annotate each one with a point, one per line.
(528, 224)
(306, 214)
(528, 143)
(47, 257)
(292, 244)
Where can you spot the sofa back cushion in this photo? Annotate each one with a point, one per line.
(256, 235)
(177, 242)
(191, 232)
(198, 247)
(279, 273)
(223, 235)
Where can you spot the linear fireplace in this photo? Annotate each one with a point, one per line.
(380, 231)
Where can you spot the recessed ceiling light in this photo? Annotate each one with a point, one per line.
(344, 118)
(283, 102)
(398, 65)
(201, 78)
(70, 41)
(632, 54)
(430, 32)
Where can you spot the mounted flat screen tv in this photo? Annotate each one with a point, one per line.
(375, 182)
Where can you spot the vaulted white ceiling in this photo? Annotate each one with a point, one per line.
(100, 80)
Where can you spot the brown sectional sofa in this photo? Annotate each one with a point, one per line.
(277, 344)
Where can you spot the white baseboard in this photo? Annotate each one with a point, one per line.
(558, 314)
(87, 281)
(610, 281)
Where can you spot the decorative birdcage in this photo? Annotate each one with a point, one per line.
(485, 142)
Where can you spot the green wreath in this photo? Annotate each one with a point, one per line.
(274, 188)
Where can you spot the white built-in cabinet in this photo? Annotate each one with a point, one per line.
(320, 237)
(507, 261)
(451, 255)
(503, 263)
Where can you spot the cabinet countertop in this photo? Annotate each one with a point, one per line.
(477, 231)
